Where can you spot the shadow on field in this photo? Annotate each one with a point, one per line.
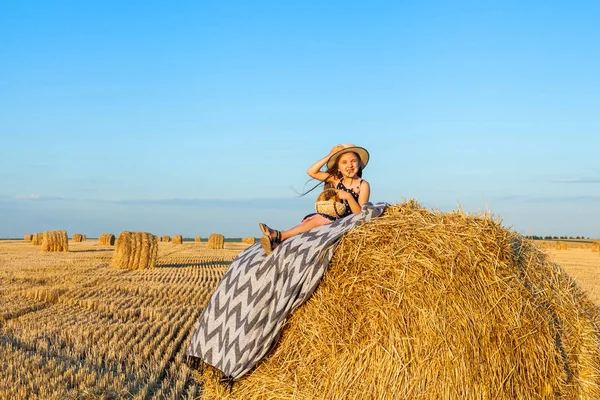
(198, 264)
(91, 251)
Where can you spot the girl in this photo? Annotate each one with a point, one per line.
(345, 163)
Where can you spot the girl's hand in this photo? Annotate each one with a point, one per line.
(343, 195)
(335, 149)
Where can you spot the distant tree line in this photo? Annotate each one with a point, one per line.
(535, 237)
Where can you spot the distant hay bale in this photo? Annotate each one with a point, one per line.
(249, 240)
(197, 239)
(423, 304)
(77, 237)
(166, 238)
(106, 239)
(83, 237)
(596, 246)
(215, 241)
(177, 239)
(53, 241)
(562, 246)
(37, 238)
(135, 250)
(28, 237)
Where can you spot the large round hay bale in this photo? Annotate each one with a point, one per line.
(55, 241)
(166, 238)
(596, 246)
(77, 237)
(197, 239)
(135, 250)
(106, 239)
(215, 241)
(562, 245)
(420, 304)
(28, 237)
(37, 238)
(177, 239)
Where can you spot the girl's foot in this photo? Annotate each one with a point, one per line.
(271, 238)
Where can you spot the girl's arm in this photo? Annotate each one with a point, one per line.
(314, 171)
(363, 197)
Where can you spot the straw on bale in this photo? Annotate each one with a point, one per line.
(55, 241)
(215, 241)
(135, 250)
(77, 237)
(562, 246)
(596, 246)
(420, 304)
(177, 239)
(106, 239)
(197, 239)
(166, 238)
(249, 240)
(28, 237)
(83, 237)
(37, 238)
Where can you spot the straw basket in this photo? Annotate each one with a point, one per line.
(329, 203)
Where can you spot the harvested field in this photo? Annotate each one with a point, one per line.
(583, 265)
(71, 327)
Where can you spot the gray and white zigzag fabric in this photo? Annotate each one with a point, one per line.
(243, 317)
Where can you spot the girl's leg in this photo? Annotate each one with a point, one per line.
(303, 227)
(272, 238)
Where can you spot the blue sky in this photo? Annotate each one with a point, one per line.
(199, 117)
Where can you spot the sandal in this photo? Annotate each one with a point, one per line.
(271, 238)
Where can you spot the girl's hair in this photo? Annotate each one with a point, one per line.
(333, 171)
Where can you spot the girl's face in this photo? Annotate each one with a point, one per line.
(348, 165)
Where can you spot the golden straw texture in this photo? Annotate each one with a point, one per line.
(106, 239)
(249, 240)
(55, 241)
(135, 250)
(177, 239)
(420, 304)
(37, 238)
(216, 241)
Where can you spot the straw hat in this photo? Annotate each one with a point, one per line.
(363, 154)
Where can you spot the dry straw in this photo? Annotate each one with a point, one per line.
(106, 239)
(135, 250)
(596, 246)
(215, 241)
(420, 304)
(37, 238)
(197, 239)
(249, 240)
(28, 237)
(166, 238)
(562, 246)
(177, 239)
(55, 241)
(77, 237)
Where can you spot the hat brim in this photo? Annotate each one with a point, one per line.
(363, 154)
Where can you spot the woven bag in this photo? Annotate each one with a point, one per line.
(329, 203)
